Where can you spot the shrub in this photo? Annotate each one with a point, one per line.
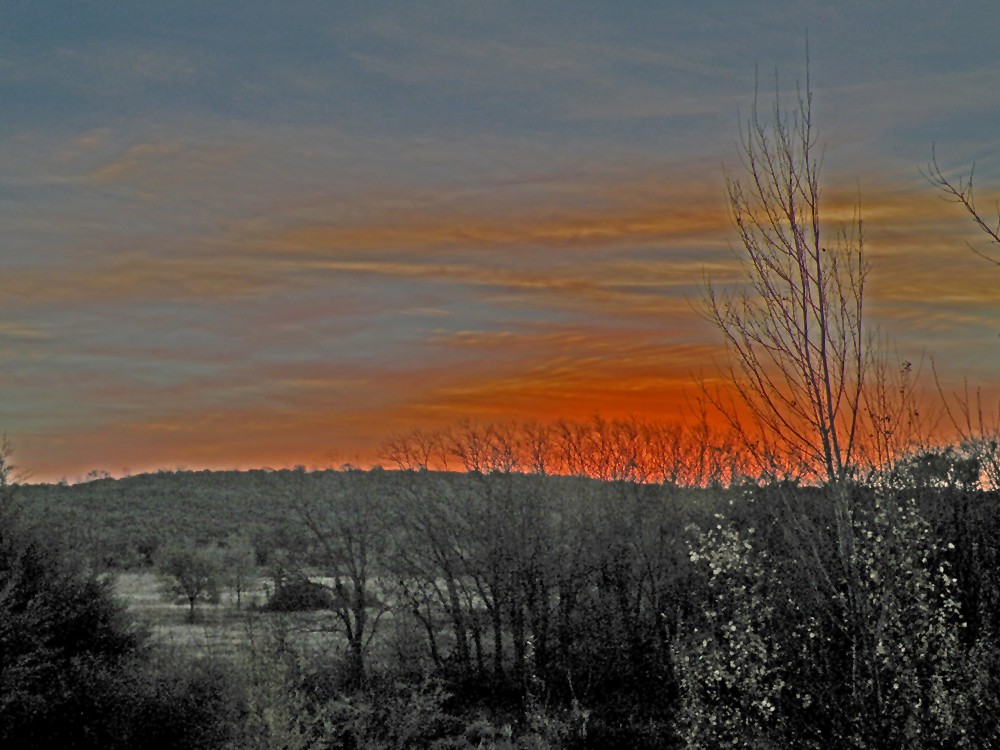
(299, 594)
(66, 648)
(181, 703)
(875, 661)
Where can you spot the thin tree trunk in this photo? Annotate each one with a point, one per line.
(458, 620)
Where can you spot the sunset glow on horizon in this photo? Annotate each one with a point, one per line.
(244, 235)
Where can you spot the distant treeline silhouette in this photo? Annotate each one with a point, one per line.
(626, 449)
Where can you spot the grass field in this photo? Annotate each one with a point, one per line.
(219, 629)
(222, 630)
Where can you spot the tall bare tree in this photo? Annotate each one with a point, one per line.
(794, 329)
(817, 393)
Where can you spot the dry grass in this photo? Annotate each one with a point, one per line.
(219, 629)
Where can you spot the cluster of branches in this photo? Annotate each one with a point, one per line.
(795, 331)
(694, 454)
(552, 587)
(813, 390)
(630, 450)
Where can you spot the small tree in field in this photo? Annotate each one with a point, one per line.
(190, 574)
(239, 565)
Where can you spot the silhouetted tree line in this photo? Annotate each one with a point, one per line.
(629, 450)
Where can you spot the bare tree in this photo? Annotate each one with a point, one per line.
(799, 354)
(977, 427)
(538, 448)
(238, 561)
(416, 449)
(794, 330)
(431, 562)
(190, 573)
(896, 423)
(816, 393)
(961, 191)
(504, 453)
(470, 442)
(571, 447)
(347, 529)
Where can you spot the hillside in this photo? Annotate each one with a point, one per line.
(120, 523)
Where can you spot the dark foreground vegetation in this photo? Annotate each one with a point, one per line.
(506, 610)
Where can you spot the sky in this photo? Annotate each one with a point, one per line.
(266, 234)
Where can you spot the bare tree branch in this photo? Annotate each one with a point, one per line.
(962, 193)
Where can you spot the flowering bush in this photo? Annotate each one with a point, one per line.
(729, 666)
(908, 679)
(847, 638)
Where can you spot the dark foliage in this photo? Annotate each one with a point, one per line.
(76, 673)
(181, 704)
(299, 594)
(66, 648)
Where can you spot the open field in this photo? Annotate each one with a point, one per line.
(222, 630)
(218, 628)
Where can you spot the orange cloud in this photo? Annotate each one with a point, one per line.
(158, 167)
(583, 229)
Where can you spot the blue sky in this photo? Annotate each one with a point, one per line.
(240, 234)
